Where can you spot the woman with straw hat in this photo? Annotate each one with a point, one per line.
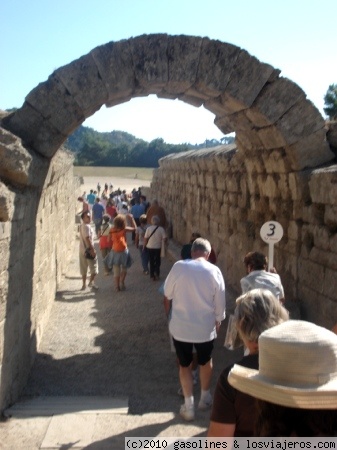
(296, 384)
(233, 412)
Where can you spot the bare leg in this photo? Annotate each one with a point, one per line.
(186, 380)
(205, 375)
(84, 280)
(116, 281)
(122, 279)
(92, 277)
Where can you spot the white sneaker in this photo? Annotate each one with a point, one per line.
(205, 404)
(93, 286)
(187, 413)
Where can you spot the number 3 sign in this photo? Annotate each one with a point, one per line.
(271, 233)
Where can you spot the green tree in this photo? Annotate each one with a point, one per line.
(330, 101)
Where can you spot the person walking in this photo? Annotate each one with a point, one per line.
(119, 257)
(259, 278)
(197, 288)
(154, 235)
(97, 215)
(139, 242)
(156, 210)
(91, 199)
(104, 241)
(87, 243)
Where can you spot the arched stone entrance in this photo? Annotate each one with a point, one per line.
(278, 131)
(269, 114)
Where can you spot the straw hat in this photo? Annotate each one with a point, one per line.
(297, 367)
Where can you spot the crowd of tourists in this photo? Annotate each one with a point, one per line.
(113, 217)
(286, 382)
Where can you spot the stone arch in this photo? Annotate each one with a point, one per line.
(280, 139)
(270, 114)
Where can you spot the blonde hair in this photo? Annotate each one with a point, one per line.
(256, 311)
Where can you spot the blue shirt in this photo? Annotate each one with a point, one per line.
(91, 199)
(97, 211)
(137, 210)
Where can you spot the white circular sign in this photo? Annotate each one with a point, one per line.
(271, 232)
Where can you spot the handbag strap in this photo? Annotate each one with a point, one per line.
(153, 233)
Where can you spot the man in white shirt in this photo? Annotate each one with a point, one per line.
(197, 288)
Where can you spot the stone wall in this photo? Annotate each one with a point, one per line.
(36, 235)
(223, 195)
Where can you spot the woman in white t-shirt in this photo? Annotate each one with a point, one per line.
(154, 235)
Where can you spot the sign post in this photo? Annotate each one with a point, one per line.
(271, 233)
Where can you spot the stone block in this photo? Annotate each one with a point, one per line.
(247, 79)
(270, 137)
(249, 139)
(275, 161)
(215, 67)
(294, 230)
(268, 186)
(317, 308)
(311, 274)
(114, 63)
(52, 100)
(30, 126)
(7, 202)
(324, 260)
(322, 185)
(310, 151)
(298, 183)
(283, 185)
(84, 83)
(274, 101)
(330, 285)
(182, 76)
(150, 61)
(330, 217)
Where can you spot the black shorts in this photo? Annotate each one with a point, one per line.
(184, 352)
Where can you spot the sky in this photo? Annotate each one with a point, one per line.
(38, 36)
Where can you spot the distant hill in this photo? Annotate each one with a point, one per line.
(119, 148)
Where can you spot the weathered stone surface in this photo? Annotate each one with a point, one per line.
(59, 109)
(322, 185)
(216, 63)
(311, 151)
(114, 63)
(271, 137)
(183, 54)
(6, 203)
(275, 161)
(38, 259)
(17, 164)
(247, 79)
(150, 62)
(274, 101)
(298, 183)
(84, 83)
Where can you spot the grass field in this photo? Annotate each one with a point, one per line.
(142, 173)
